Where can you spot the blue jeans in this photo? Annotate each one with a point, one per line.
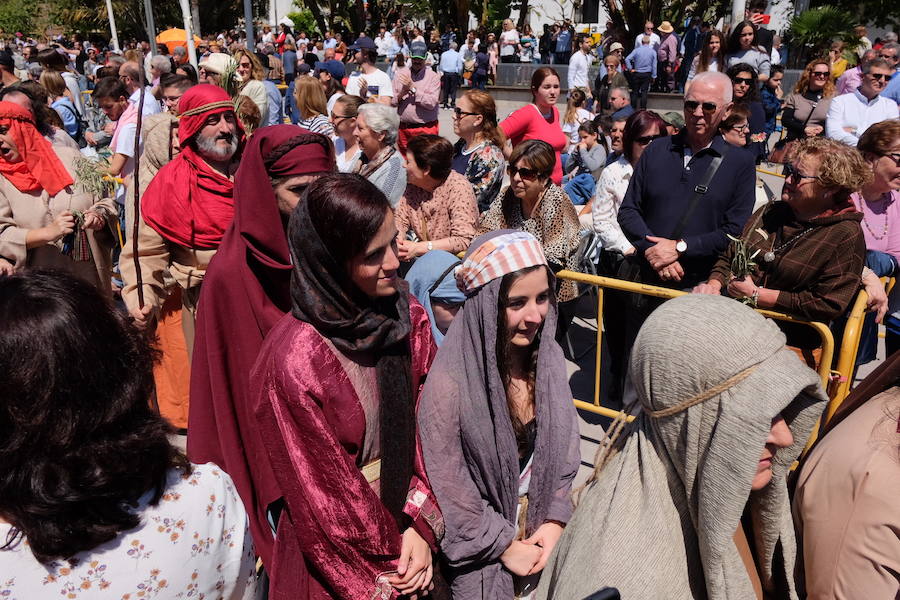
(884, 265)
(580, 188)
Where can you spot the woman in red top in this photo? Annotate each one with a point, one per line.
(540, 119)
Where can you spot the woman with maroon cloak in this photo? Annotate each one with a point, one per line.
(246, 291)
(334, 396)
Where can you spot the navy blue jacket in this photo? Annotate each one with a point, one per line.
(661, 189)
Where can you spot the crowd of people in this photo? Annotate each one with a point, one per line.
(269, 333)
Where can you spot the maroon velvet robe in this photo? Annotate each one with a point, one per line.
(335, 539)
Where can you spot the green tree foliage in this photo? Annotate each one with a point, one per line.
(304, 21)
(884, 13)
(16, 15)
(814, 30)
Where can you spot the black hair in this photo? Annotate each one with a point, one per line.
(79, 443)
(753, 93)
(190, 72)
(110, 87)
(180, 82)
(734, 40)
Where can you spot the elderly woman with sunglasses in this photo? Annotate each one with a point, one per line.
(809, 249)
(535, 204)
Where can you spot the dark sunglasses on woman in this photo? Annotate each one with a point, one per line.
(524, 172)
(646, 139)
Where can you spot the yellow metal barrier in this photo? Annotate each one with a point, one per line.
(660, 292)
(843, 371)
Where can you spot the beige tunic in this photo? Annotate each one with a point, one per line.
(23, 211)
(846, 506)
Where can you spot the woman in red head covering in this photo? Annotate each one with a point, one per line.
(246, 291)
(46, 219)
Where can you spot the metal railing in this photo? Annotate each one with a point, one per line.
(843, 372)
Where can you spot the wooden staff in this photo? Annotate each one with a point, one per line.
(137, 197)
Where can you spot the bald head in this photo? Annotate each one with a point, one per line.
(706, 103)
(329, 54)
(715, 81)
(131, 71)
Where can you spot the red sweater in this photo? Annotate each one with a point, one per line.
(527, 123)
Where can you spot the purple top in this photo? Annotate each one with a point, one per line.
(881, 222)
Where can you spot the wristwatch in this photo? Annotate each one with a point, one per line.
(681, 246)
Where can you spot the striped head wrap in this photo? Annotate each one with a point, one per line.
(494, 255)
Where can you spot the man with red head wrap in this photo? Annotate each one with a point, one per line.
(245, 292)
(186, 208)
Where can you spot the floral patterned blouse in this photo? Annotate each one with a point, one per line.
(483, 166)
(447, 212)
(193, 544)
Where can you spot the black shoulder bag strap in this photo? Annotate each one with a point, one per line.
(699, 190)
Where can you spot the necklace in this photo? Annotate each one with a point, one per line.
(770, 255)
(884, 229)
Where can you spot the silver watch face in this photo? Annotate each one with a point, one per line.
(681, 246)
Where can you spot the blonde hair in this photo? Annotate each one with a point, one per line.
(483, 104)
(256, 68)
(54, 83)
(310, 97)
(842, 167)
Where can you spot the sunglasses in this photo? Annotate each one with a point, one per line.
(708, 107)
(458, 113)
(523, 172)
(879, 76)
(791, 173)
(820, 74)
(894, 156)
(646, 139)
(741, 128)
(747, 80)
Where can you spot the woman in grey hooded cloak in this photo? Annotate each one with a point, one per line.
(472, 455)
(662, 518)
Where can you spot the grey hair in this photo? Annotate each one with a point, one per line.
(454, 45)
(623, 90)
(179, 50)
(868, 55)
(382, 118)
(892, 46)
(162, 63)
(876, 62)
(716, 79)
(890, 36)
(645, 39)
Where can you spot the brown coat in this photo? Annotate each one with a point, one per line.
(845, 506)
(818, 275)
(23, 211)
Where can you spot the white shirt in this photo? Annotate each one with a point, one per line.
(855, 111)
(655, 40)
(344, 166)
(578, 70)
(151, 104)
(377, 82)
(509, 49)
(608, 198)
(194, 543)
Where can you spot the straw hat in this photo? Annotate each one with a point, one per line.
(666, 27)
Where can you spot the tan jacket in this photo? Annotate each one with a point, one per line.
(23, 211)
(847, 506)
(158, 256)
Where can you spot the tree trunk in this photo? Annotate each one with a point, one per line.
(313, 7)
(523, 15)
(195, 16)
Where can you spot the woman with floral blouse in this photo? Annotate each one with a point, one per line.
(479, 152)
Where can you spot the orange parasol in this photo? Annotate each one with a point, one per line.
(175, 37)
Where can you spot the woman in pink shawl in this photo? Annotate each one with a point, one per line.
(499, 430)
(334, 398)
